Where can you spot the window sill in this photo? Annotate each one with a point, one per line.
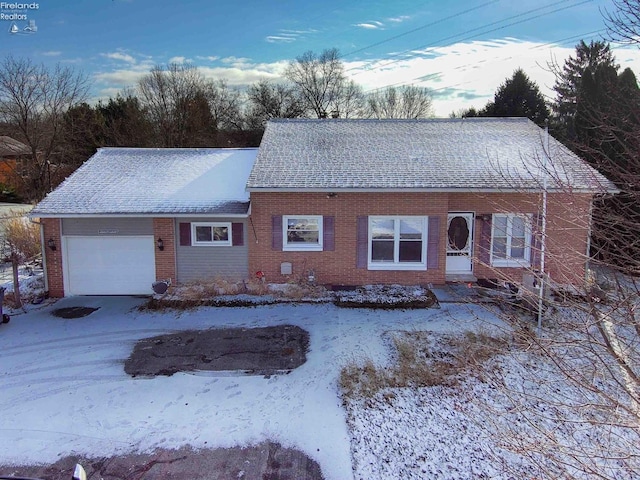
(511, 264)
(310, 248)
(211, 244)
(397, 266)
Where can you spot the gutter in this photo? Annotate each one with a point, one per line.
(137, 215)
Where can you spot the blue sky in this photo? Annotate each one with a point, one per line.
(460, 49)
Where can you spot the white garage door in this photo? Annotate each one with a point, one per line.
(109, 265)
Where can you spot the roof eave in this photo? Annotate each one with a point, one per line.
(424, 190)
(137, 215)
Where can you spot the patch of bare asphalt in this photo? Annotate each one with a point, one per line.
(73, 312)
(266, 461)
(252, 351)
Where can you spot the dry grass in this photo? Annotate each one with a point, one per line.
(423, 360)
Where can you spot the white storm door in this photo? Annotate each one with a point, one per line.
(459, 243)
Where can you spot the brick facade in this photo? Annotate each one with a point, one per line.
(51, 228)
(164, 228)
(567, 232)
(567, 236)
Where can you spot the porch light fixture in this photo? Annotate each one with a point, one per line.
(332, 195)
(51, 244)
(160, 244)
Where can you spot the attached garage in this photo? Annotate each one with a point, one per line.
(108, 265)
(114, 227)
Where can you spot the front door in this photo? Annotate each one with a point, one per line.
(459, 242)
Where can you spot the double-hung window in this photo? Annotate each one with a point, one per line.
(211, 234)
(397, 243)
(302, 232)
(511, 240)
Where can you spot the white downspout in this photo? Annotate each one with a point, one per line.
(543, 239)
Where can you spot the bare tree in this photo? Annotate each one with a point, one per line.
(351, 101)
(186, 109)
(403, 102)
(168, 95)
(319, 79)
(273, 100)
(623, 22)
(33, 102)
(224, 104)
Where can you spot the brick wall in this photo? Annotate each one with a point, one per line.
(164, 228)
(52, 230)
(567, 233)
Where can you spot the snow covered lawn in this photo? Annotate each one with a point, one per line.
(64, 390)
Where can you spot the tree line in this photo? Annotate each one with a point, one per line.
(174, 106)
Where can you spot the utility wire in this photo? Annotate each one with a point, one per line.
(471, 37)
(480, 31)
(427, 77)
(409, 32)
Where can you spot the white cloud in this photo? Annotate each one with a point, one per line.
(374, 25)
(288, 36)
(280, 39)
(210, 58)
(52, 53)
(467, 74)
(123, 57)
(399, 19)
(179, 59)
(460, 75)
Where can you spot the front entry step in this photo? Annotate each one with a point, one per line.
(460, 278)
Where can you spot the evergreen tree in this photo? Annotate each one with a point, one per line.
(518, 96)
(568, 80)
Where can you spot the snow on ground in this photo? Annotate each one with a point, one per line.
(64, 388)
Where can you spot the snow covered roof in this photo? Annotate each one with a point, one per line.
(149, 181)
(480, 154)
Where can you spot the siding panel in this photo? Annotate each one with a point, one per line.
(207, 263)
(112, 226)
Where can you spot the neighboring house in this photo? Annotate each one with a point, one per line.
(350, 202)
(13, 154)
(129, 216)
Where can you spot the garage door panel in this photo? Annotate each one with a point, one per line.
(123, 265)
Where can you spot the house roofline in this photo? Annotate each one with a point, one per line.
(138, 215)
(430, 190)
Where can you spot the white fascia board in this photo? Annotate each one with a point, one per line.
(138, 215)
(421, 190)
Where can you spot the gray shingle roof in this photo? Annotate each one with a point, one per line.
(141, 181)
(10, 147)
(438, 154)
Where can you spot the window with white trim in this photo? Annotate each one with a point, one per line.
(211, 234)
(302, 232)
(511, 240)
(397, 243)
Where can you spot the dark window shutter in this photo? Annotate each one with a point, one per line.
(237, 234)
(185, 234)
(328, 234)
(484, 249)
(362, 241)
(276, 232)
(536, 240)
(432, 242)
